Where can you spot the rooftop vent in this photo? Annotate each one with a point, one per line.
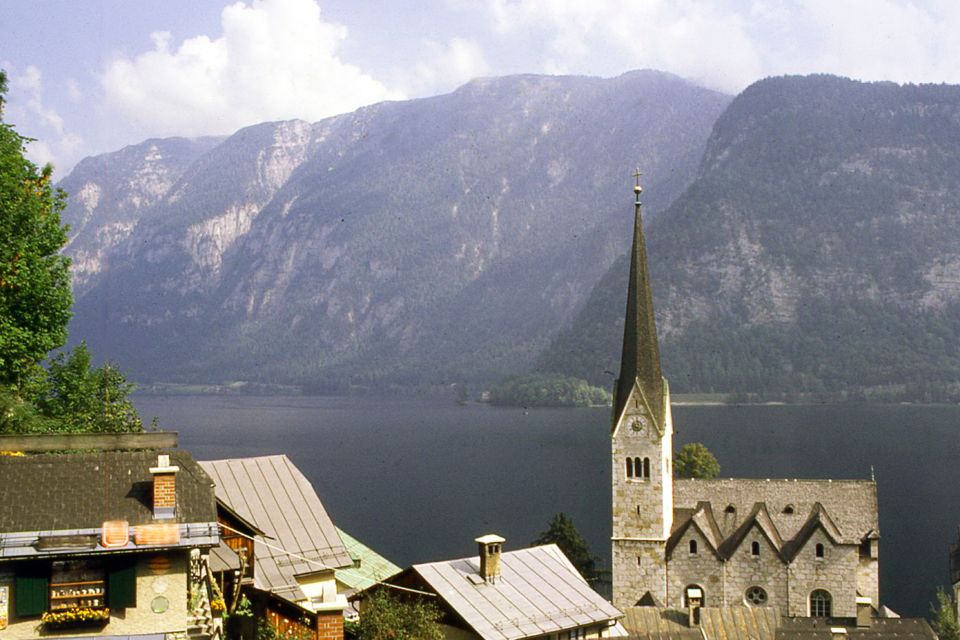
(490, 547)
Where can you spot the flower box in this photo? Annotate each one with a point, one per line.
(76, 617)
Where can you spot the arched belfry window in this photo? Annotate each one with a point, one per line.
(646, 468)
(637, 468)
(755, 548)
(820, 604)
(693, 547)
(629, 467)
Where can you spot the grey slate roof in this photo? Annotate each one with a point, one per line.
(271, 493)
(880, 629)
(850, 504)
(538, 592)
(72, 491)
(716, 623)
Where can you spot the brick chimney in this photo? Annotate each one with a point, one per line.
(164, 488)
(490, 548)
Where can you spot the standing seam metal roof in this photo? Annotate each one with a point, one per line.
(274, 495)
(538, 592)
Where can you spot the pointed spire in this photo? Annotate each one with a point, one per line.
(640, 359)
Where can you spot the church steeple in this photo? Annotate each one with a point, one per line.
(640, 359)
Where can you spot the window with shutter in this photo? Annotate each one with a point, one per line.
(31, 590)
(122, 584)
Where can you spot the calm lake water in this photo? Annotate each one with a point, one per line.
(418, 479)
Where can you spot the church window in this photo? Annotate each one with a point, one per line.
(629, 467)
(639, 562)
(646, 468)
(755, 596)
(638, 468)
(788, 510)
(820, 604)
(730, 509)
(818, 551)
(693, 547)
(693, 596)
(755, 548)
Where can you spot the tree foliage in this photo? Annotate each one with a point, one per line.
(564, 534)
(35, 301)
(540, 390)
(35, 296)
(944, 616)
(695, 461)
(385, 616)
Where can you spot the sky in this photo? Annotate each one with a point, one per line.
(92, 76)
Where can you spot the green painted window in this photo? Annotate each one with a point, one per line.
(31, 590)
(122, 584)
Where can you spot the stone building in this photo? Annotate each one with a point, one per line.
(804, 547)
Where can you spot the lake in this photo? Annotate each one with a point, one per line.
(419, 478)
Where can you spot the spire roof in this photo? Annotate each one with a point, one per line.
(640, 359)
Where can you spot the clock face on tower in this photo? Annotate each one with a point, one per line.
(639, 423)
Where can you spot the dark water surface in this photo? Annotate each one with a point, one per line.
(418, 479)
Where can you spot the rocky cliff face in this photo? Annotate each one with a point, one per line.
(816, 249)
(418, 241)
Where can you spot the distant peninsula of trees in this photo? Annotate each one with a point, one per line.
(546, 390)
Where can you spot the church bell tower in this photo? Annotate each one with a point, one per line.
(642, 444)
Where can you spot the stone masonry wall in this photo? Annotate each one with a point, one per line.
(638, 567)
(836, 573)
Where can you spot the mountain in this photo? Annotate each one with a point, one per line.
(423, 241)
(109, 192)
(817, 249)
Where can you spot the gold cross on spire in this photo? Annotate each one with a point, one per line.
(637, 174)
(637, 188)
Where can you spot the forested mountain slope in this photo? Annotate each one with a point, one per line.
(425, 241)
(818, 248)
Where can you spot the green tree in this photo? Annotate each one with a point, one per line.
(84, 399)
(35, 296)
(385, 616)
(944, 616)
(695, 461)
(564, 534)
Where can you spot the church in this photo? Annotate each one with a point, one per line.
(799, 547)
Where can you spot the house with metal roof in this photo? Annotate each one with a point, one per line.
(292, 559)
(514, 595)
(803, 547)
(105, 544)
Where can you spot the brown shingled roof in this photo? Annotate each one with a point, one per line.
(49, 492)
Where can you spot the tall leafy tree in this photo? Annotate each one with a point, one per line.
(35, 296)
(564, 534)
(944, 616)
(695, 461)
(385, 616)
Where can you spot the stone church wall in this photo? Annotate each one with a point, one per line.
(638, 567)
(834, 573)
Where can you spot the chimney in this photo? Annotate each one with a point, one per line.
(490, 547)
(864, 612)
(164, 488)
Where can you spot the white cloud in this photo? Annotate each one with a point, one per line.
(730, 43)
(274, 59)
(59, 146)
(443, 67)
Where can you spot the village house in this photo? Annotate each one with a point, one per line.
(290, 559)
(512, 595)
(106, 543)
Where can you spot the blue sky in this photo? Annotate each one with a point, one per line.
(94, 75)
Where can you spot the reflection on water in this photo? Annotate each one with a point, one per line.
(418, 479)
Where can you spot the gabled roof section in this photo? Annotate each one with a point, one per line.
(640, 357)
(539, 592)
(852, 504)
(758, 517)
(277, 498)
(818, 519)
(702, 519)
(369, 567)
(73, 491)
